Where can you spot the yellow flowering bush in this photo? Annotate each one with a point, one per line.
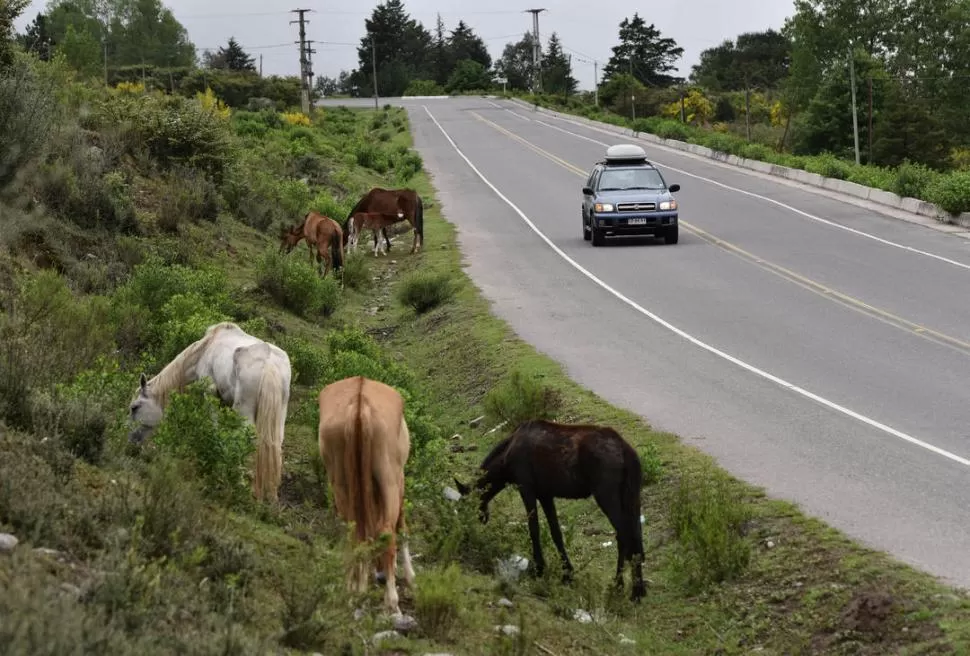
(697, 108)
(212, 104)
(130, 87)
(296, 118)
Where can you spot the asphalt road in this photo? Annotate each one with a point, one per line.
(828, 366)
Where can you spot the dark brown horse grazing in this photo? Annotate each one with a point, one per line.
(391, 201)
(548, 460)
(321, 232)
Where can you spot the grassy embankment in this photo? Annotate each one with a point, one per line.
(114, 259)
(950, 190)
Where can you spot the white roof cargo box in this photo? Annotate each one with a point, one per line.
(625, 152)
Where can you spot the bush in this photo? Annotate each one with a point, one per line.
(216, 439)
(951, 192)
(828, 166)
(309, 362)
(425, 291)
(187, 194)
(295, 285)
(356, 273)
(521, 397)
(424, 88)
(708, 518)
(438, 603)
(913, 180)
(27, 113)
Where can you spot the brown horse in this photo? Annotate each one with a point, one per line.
(546, 461)
(392, 201)
(321, 232)
(364, 444)
(373, 221)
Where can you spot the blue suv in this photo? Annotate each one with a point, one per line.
(626, 195)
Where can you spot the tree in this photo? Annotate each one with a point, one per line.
(38, 37)
(463, 43)
(515, 64)
(469, 75)
(233, 58)
(10, 10)
(81, 51)
(403, 48)
(757, 59)
(556, 69)
(643, 53)
(440, 58)
(326, 86)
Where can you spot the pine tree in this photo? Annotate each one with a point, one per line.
(642, 49)
(556, 69)
(234, 58)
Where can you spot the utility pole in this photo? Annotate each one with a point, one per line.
(855, 113)
(596, 83)
(104, 42)
(309, 71)
(260, 64)
(536, 51)
(373, 65)
(869, 160)
(304, 64)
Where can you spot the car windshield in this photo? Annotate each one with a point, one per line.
(622, 179)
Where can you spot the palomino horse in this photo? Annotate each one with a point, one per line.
(250, 374)
(547, 460)
(321, 232)
(364, 444)
(373, 221)
(392, 201)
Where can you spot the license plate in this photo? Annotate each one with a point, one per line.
(636, 221)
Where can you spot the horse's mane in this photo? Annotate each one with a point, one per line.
(172, 376)
(497, 452)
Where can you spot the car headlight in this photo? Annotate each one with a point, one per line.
(603, 207)
(668, 205)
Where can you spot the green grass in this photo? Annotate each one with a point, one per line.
(155, 555)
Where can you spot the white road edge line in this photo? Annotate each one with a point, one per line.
(707, 347)
(510, 111)
(833, 224)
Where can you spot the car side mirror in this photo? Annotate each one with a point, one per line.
(587, 191)
(674, 188)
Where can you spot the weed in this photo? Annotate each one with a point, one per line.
(423, 291)
(521, 397)
(708, 517)
(296, 286)
(439, 602)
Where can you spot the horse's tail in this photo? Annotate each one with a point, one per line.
(269, 433)
(337, 248)
(630, 498)
(358, 206)
(419, 219)
(364, 507)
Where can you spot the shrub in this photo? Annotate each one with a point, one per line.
(438, 602)
(521, 397)
(309, 362)
(356, 274)
(708, 518)
(951, 192)
(913, 180)
(27, 113)
(80, 189)
(295, 285)
(828, 166)
(425, 291)
(216, 439)
(424, 88)
(187, 194)
(650, 463)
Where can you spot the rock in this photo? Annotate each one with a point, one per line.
(505, 602)
(71, 589)
(456, 436)
(626, 641)
(385, 635)
(511, 568)
(49, 553)
(582, 616)
(770, 544)
(359, 614)
(507, 629)
(451, 493)
(476, 422)
(8, 542)
(404, 623)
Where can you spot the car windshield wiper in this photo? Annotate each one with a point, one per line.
(631, 188)
(610, 189)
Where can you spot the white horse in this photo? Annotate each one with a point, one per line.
(250, 374)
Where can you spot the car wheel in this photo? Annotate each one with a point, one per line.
(599, 239)
(586, 234)
(671, 235)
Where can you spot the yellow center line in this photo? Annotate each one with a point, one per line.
(789, 275)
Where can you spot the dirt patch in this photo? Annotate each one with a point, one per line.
(869, 612)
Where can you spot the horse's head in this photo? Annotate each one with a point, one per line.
(485, 495)
(290, 237)
(145, 412)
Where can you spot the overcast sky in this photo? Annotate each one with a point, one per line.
(587, 29)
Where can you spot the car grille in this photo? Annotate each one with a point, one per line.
(635, 207)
